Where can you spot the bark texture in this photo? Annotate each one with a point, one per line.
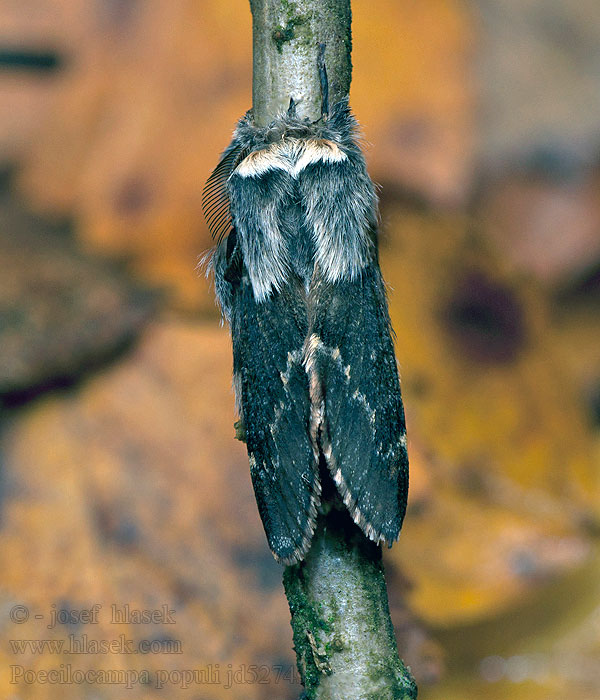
(286, 37)
(343, 633)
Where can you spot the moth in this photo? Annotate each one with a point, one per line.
(294, 214)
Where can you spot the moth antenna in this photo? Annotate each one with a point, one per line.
(324, 83)
(215, 198)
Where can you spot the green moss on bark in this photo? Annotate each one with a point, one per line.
(282, 34)
(308, 626)
(343, 635)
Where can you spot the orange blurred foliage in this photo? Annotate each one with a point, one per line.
(145, 109)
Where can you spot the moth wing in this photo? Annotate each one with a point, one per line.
(363, 432)
(272, 389)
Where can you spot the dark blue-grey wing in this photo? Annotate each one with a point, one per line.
(273, 398)
(363, 431)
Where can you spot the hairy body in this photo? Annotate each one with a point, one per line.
(298, 280)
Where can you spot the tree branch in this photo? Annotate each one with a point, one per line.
(286, 37)
(343, 634)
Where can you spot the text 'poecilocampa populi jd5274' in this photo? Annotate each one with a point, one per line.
(294, 213)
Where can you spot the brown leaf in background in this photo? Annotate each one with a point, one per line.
(140, 121)
(34, 27)
(412, 91)
(133, 491)
(149, 103)
(60, 313)
(494, 418)
(548, 226)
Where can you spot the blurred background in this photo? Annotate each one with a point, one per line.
(120, 479)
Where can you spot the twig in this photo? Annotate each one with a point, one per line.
(287, 36)
(343, 634)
